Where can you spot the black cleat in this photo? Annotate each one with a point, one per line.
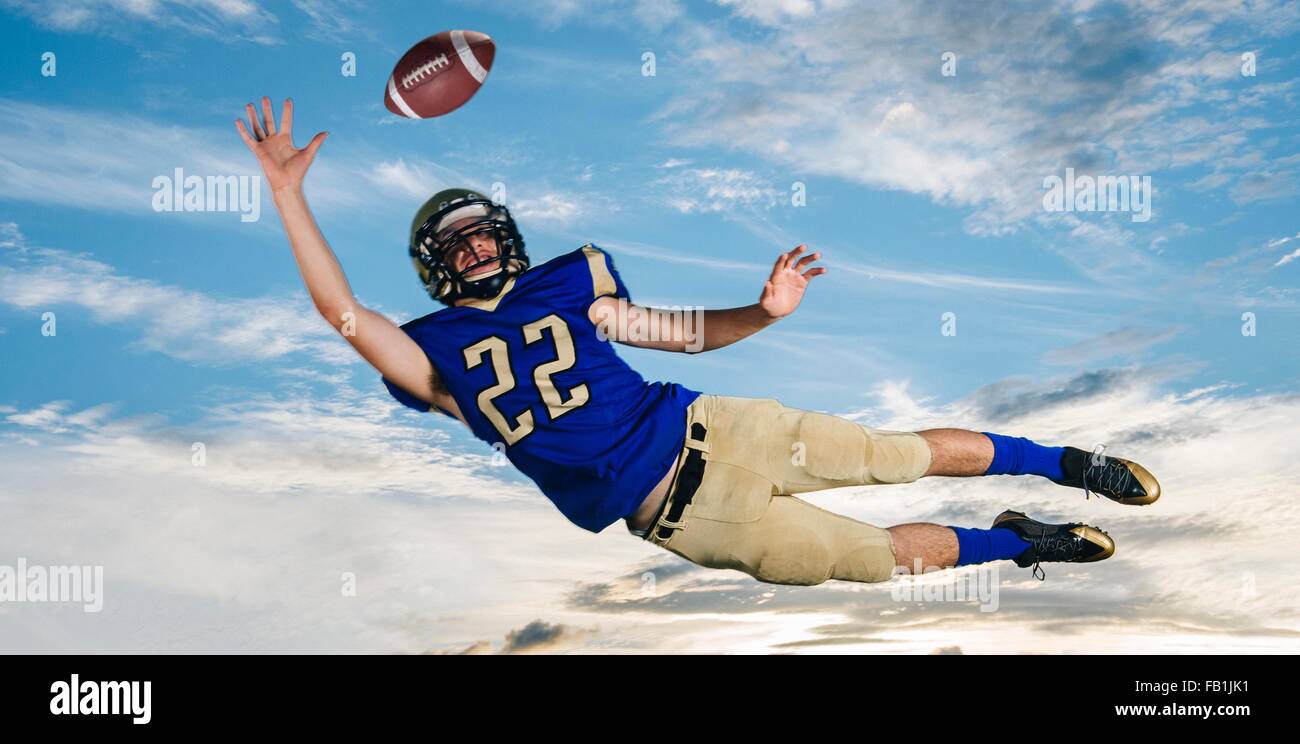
(1055, 543)
(1113, 477)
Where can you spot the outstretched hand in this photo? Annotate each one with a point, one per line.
(785, 287)
(282, 163)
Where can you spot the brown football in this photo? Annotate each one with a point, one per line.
(438, 75)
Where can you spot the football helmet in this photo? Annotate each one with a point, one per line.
(434, 239)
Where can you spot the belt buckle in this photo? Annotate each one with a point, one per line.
(694, 441)
(672, 527)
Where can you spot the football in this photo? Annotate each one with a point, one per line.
(439, 74)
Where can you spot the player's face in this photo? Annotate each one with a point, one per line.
(472, 250)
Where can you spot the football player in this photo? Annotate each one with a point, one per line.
(521, 354)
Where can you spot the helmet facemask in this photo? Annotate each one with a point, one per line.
(435, 242)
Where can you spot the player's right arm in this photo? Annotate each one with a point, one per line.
(376, 338)
(667, 330)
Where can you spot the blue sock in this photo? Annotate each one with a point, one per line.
(1019, 456)
(981, 546)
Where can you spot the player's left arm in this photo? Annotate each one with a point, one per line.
(677, 330)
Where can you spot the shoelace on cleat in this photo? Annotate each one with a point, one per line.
(1115, 475)
(1042, 543)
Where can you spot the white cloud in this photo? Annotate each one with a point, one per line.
(694, 190)
(178, 322)
(107, 161)
(856, 92)
(554, 209)
(939, 280)
(417, 180)
(248, 551)
(651, 14)
(47, 417)
(335, 20)
(225, 19)
(1265, 186)
(771, 12)
(1288, 258)
(1209, 182)
(348, 444)
(1123, 341)
(10, 235)
(1281, 241)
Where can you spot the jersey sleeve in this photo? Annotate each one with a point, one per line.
(605, 281)
(403, 397)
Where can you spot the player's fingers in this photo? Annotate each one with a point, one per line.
(806, 260)
(268, 117)
(790, 257)
(258, 134)
(818, 271)
(243, 133)
(286, 117)
(315, 144)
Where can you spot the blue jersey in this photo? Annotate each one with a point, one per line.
(532, 376)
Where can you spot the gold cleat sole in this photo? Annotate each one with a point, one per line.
(1096, 537)
(1145, 479)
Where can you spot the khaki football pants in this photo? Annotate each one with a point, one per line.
(758, 453)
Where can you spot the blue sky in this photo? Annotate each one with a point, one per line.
(923, 193)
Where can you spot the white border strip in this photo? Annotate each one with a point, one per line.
(397, 99)
(467, 57)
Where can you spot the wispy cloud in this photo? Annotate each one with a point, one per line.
(667, 255)
(954, 280)
(182, 323)
(858, 94)
(227, 20)
(1123, 341)
(253, 546)
(552, 14)
(336, 20)
(241, 19)
(1288, 258)
(536, 206)
(108, 160)
(939, 280)
(417, 179)
(348, 443)
(692, 190)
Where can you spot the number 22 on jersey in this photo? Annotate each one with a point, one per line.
(557, 404)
